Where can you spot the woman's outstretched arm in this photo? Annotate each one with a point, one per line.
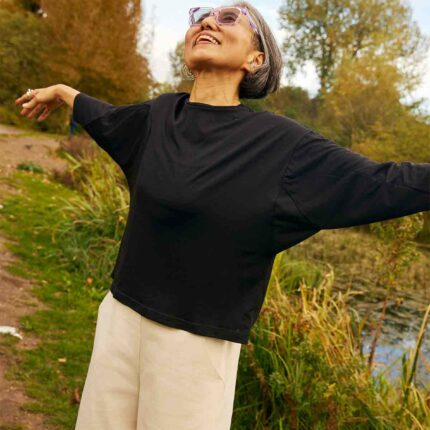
(333, 186)
(120, 130)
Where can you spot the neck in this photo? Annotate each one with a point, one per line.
(215, 91)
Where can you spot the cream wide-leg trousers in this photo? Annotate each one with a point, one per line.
(148, 376)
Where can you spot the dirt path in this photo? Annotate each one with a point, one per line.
(16, 299)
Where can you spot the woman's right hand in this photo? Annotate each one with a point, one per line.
(45, 99)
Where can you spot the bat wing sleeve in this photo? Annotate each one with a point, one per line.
(119, 130)
(332, 186)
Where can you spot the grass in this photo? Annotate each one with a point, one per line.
(66, 327)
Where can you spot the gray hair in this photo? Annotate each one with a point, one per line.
(267, 78)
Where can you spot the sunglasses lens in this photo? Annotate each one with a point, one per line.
(199, 15)
(228, 15)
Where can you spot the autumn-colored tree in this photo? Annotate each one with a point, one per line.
(365, 93)
(326, 31)
(96, 48)
(366, 100)
(23, 46)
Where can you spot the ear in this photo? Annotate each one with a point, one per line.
(254, 61)
(259, 58)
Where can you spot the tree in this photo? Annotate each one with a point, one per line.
(293, 102)
(96, 48)
(365, 93)
(327, 31)
(23, 46)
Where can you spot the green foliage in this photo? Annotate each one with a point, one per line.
(12, 427)
(406, 138)
(395, 246)
(93, 220)
(23, 46)
(20, 52)
(292, 102)
(325, 31)
(30, 166)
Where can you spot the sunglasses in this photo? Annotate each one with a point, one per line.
(224, 15)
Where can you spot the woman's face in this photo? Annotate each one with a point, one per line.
(231, 54)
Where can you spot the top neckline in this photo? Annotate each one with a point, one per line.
(200, 105)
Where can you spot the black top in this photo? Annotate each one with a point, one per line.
(217, 191)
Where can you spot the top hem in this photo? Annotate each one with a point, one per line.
(172, 321)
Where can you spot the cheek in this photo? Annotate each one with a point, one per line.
(188, 45)
(236, 42)
(189, 35)
(234, 49)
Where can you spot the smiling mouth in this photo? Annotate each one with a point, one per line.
(205, 39)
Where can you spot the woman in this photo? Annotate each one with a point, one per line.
(216, 191)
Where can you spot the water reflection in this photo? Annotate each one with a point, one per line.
(404, 314)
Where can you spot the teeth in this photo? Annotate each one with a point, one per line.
(211, 39)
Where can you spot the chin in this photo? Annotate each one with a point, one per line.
(202, 62)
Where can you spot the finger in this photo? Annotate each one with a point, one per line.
(26, 111)
(22, 99)
(28, 106)
(44, 114)
(31, 103)
(25, 96)
(36, 110)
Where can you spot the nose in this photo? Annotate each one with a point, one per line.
(209, 21)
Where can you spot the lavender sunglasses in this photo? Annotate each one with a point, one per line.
(224, 15)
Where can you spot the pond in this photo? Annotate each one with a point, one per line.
(403, 319)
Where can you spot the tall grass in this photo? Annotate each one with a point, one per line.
(92, 222)
(305, 369)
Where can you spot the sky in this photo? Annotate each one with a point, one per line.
(170, 26)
